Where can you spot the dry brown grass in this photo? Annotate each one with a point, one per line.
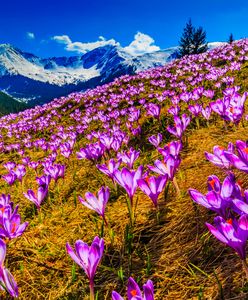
(182, 254)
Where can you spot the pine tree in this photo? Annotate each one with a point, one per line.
(199, 41)
(230, 39)
(186, 39)
(193, 41)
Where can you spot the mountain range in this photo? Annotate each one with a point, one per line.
(34, 80)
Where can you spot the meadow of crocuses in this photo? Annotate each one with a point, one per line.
(103, 193)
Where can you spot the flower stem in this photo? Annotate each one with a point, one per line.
(176, 186)
(130, 211)
(245, 266)
(92, 296)
(157, 215)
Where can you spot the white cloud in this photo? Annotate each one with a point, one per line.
(141, 44)
(101, 38)
(83, 47)
(63, 39)
(30, 35)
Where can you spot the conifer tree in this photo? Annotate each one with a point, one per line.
(230, 39)
(192, 41)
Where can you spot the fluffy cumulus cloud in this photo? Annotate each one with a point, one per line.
(141, 44)
(30, 35)
(81, 47)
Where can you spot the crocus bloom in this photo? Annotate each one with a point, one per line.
(55, 171)
(97, 204)
(153, 110)
(11, 224)
(218, 198)
(134, 292)
(232, 233)
(129, 157)
(240, 161)
(180, 125)
(174, 148)
(20, 172)
(37, 199)
(168, 168)
(44, 180)
(110, 168)
(4, 200)
(218, 157)
(6, 279)
(155, 140)
(153, 186)
(10, 178)
(9, 165)
(87, 257)
(128, 180)
(206, 113)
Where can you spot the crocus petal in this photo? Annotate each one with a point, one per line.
(199, 198)
(116, 296)
(216, 233)
(241, 205)
(2, 252)
(133, 290)
(72, 254)
(10, 283)
(148, 290)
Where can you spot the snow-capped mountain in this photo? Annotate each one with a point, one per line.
(35, 80)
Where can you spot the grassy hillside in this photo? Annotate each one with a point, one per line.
(169, 244)
(9, 105)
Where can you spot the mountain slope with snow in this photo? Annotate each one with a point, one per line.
(32, 79)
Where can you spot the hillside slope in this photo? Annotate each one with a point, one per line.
(168, 244)
(9, 105)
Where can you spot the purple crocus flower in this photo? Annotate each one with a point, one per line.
(66, 150)
(240, 161)
(4, 200)
(9, 165)
(129, 157)
(110, 168)
(153, 186)
(218, 198)
(218, 157)
(134, 292)
(168, 168)
(11, 224)
(87, 257)
(232, 233)
(91, 152)
(155, 140)
(173, 148)
(195, 109)
(180, 126)
(174, 110)
(6, 279)
(44, 180)
(128, 180)
(106, 140)
(10, 178)
(37, 199)
(56, 171)
(97, 204)
(153, 110)
(20, 172)
(206, 112)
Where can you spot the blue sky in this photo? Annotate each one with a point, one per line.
(31, 25)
